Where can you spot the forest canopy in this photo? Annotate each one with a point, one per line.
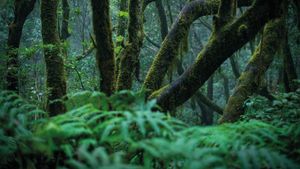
(160, 84)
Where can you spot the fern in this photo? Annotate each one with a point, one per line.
(123, 131)
(98, 159)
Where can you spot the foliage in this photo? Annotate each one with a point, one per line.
(123, 131)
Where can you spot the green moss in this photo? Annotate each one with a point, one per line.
(242, 29)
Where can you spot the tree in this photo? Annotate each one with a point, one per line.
(129, 59)
(104, 45)
(224, 41)
(252, 77)
(64, 32)
(56, 82)
(170, 46)
(22, 8)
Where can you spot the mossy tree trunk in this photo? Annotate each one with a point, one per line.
(22, 8)
(122, 21)
(234, 66)
(64, 33)
(225, 85)
(104, 45)
(208, 115)
(289, 74)
(179, 31)
(56, 82)
(162, 19)
(224, 41)
(253, 75)
(121, 32)
(129, 61)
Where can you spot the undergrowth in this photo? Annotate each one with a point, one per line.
(123, 131)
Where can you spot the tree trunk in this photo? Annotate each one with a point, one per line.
(253, 75)
(225, 85)
(104, 45)
(162, 19)
(289, 68)
(122, 21)
(129, 62)
(179, 31)
(22, 9)
(234, 66)
(121, 33)
(222, 44)
(56, 82)
(64, 34)
(208, 115)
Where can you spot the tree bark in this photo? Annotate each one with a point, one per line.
(22, 8)
(225, 85)
(253, 75)
(56, 82)
(122, 21)
(64, 34)
(162, 19)
(121, 32)
(129, 62)
(179, 31)
(234, 66)
(104, 45)
(289, 67)
(222, 44)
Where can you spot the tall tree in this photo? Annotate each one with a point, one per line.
(56, 82)
(104, 45)
(22, 8)
(129, 60)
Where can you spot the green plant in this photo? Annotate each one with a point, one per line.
(123, 131)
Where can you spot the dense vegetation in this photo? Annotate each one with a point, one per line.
(163, 84)
(131, 135)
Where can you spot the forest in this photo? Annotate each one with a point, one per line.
(149, 84)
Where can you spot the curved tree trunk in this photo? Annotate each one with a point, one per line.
(224, 41)
(104, 45)
(56, 82)
(251, 78)
(22, 8)
(179, 31)
(129, 62)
